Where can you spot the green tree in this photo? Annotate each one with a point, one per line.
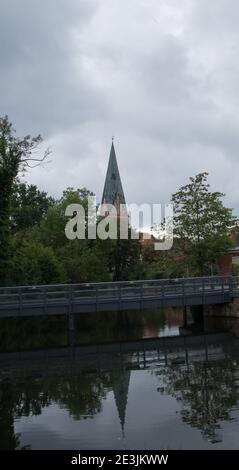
(52, 228)
(124, 257)
(83, 260)
(29, 206)
(33, 263)
(15, 154)
(201, 223)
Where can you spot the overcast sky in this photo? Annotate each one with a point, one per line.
(162, 76)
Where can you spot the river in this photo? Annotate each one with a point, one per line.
(180, 391)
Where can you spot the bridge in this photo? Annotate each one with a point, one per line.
(71, 299)
(74, 299)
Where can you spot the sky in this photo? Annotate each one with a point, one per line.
(161, 76)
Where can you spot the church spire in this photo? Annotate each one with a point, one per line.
(113, 191)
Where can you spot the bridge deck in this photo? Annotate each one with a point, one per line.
(91, 297)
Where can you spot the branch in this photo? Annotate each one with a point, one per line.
(38, 160)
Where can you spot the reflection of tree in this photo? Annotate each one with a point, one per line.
(8, 438)
(207, 392)
(40, 332)
(81, 395)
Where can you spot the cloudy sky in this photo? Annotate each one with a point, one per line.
(162, 76)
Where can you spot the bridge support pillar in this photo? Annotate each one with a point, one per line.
(71, 329)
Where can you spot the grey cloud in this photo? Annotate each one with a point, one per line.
(39, 86)
(78, 71)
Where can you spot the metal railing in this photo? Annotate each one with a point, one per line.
(45, 296)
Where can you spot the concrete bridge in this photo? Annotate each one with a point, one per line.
(74, 299)
(108, 296)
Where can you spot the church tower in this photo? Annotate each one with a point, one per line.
(113, 191)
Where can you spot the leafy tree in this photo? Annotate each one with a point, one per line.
(52, 228)
(29, 206)
(15, 154)
(84, 263)
(202, 223)
(83, 260)
(33, 263)
(87, 260)
(164, 264)
(124, 258)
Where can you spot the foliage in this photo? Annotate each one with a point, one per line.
(202, 223)
(32, 263)
(123, 258)
(29, 206)
(15, 155)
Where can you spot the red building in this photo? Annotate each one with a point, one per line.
(228, 261)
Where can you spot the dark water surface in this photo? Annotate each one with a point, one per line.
(180, 392)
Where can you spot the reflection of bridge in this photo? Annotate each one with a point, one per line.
(119, 355)
(131, 295)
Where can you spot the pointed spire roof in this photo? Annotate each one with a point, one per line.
(113, 189)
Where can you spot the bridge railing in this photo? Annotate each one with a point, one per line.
(117, 290)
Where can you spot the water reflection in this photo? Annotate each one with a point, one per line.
(151, 397)
(80, 395)
(41, 332)
(207, 393)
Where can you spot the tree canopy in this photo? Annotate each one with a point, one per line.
(201, 223)
(15, 154)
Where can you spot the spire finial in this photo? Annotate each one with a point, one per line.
(113, 138)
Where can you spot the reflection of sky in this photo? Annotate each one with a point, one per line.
(152, 421)
(169, 331)
(161, 332)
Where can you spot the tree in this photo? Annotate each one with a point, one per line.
(124, 257)
(15, 154)
(201, 223)
(83, 260)
(33, 263)
(164, 264)
(29, 206)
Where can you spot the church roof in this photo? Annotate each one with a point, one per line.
(113, 186)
